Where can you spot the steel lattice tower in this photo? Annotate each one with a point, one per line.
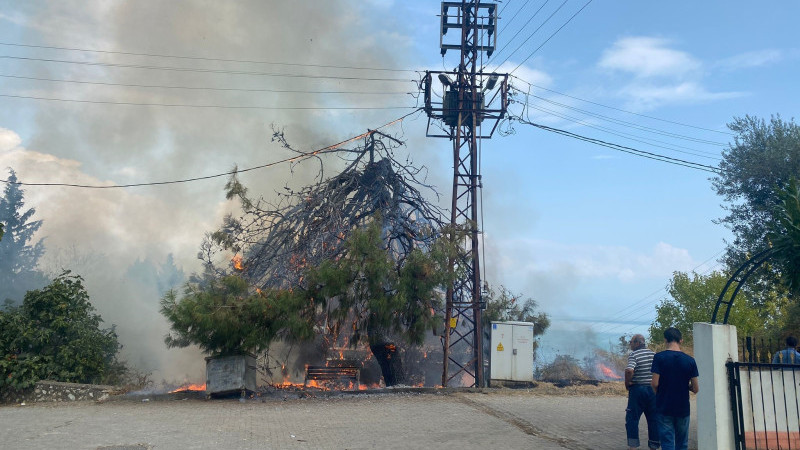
(463, 108)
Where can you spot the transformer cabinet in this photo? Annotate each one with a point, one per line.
(512, 352)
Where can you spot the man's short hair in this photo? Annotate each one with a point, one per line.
(637, 338)
(672, 335)
(791, 341)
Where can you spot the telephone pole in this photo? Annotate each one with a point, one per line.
(470, 98)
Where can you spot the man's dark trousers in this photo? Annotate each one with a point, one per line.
(641, 399)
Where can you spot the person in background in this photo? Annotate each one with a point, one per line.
(641, 398)
(674, 375)
(788, 355)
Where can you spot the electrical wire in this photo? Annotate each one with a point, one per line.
(204, 88)
(200, 58)
(625, 149)
(633, 308)
(534, 31)
(303, 156)
(551, 36)
(515, 16)
(181, 105)
(622, 110)
(626, 135)
(199, 70)
(631, 124)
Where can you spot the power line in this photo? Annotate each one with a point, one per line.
(515, 16)
(208, 88)
(621, 134)
(631, 124)
(200, 58)
(551, 36)
(181, 105)
(199, 70)
(305, 155)
(625, 149)
(629, 310)
(622, 110)
(534, 31)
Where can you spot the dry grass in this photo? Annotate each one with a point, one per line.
(606, 388)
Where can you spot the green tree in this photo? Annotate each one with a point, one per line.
(384, 302)
(760, 162)
(225, 316)
(785, 236)
(19, 257)
(56, 335)
(692, 299)
(503, 305)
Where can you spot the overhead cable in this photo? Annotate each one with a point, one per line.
(204, 88)
(551, 36)
(200, 58)
(624, 135)
(305, 155)
(182, 105)
(625, 149)
(622, 110)
(200, 70)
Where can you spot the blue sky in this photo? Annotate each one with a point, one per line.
(585, 230)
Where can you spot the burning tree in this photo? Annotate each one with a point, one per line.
(364, 246)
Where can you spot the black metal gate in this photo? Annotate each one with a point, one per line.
(764, 401)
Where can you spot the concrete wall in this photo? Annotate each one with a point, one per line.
(55, 391)
(714, 345)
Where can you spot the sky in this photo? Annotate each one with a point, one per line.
(110, 93)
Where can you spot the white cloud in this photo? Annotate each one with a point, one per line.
(657, 74)
(752, 59)
(649, 95)
(646, 57)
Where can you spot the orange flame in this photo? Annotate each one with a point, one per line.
(608, 372)
(237, 262)
(190, 387)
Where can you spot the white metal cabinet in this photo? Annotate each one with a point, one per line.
(512, 351)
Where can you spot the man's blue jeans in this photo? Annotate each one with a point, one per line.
(674, 432)
(641, 399)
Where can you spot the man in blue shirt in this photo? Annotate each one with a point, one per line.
(788, 355)
(674, 375)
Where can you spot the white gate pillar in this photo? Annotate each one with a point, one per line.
(714, 345)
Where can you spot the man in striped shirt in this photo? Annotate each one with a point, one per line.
(641, 398)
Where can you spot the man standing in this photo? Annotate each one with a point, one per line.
(674, 375)
(788, 355)
(641, 398)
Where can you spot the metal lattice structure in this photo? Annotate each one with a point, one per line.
(469, 100)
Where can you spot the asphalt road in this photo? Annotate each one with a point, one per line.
(504, 419)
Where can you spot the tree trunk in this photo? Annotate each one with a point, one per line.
(388, 356)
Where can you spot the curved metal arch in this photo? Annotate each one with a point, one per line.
(748, 268)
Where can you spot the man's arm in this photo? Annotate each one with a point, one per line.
(628, 378)
(694, 386)
(654, 381)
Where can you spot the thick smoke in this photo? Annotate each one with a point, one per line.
(108, 235)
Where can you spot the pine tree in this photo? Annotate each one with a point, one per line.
(19, 257)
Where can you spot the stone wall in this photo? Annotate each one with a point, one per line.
(55, 391)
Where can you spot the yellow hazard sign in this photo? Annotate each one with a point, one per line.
(453, 322)
(500, 347)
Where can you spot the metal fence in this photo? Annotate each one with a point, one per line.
(764, 399)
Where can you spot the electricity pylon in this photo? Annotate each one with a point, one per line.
(470, 98)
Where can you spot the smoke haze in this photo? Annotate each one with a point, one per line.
(112, 236)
